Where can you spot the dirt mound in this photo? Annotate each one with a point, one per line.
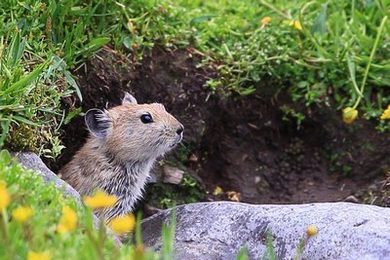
(244, 144)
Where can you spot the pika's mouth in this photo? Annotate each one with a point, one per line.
(177, 141)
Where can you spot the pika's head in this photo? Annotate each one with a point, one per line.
(135, 131)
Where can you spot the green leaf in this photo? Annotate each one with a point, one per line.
(24, 120)
(5, 156)
(17, 49)
(247, 91)
(319, 25)
(71, 115)
(168, 237)
(242, 254)
(97, 43)
(25, 81)
(201, 19)
(127, 42)
(4, 131)
(69, 78)
(270, 253)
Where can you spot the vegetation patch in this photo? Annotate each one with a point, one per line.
(324, 53)
(162, 195)
(38, 222)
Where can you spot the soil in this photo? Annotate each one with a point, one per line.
(244, 144)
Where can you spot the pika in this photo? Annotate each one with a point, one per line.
(123, 144)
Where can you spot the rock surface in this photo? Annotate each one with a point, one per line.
(218, 230)
(32, 161)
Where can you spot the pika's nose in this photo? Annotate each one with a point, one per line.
(180, 130)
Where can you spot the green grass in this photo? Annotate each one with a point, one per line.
(40, 42)
(340, 57)
(39, 234)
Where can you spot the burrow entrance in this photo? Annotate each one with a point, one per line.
(250, 145)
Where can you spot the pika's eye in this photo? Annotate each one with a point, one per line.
(146, 118)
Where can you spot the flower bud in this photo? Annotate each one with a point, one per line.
(349, 115)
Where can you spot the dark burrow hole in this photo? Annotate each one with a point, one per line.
(246, 145)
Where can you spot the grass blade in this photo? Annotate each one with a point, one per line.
(70, 80)
(352, 73)
(25, 81)
(24, 120)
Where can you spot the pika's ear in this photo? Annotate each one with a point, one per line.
(98, 122)
(128, 99)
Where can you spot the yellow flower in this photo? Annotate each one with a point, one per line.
(100, 200)
(22, 213)
(5, 198)
(296, 24)
(265, 20)
(386, 113)
(68, 221)
(217, 191)
(311, 230)
(349, 115)
(45, 255)
(123, 224)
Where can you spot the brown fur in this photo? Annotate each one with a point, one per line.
(119, 154)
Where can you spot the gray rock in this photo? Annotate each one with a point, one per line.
(218, 230)
(32, 161)
(172, 174)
